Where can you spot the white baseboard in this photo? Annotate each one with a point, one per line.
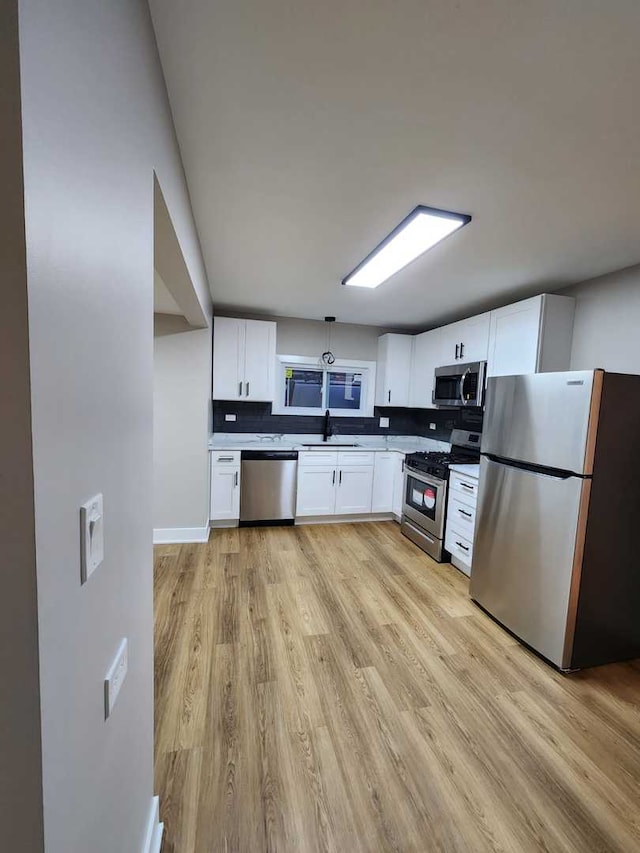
(153, 836)
(176, 535)
(343, 519)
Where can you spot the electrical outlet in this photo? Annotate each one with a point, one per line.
(115, 677)
(91, 537)
(384, 423)
(433, 426)
(230, 418)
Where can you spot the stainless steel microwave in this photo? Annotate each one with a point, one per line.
(460, 384)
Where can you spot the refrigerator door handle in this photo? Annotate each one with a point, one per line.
(538, 470)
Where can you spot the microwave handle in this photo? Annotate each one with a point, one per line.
(462, 381)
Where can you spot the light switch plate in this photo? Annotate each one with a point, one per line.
(230, 418)
(91, 537)
(115, 677)
(384, 422)
(433, 426)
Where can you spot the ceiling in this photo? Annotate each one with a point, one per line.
(310, 129)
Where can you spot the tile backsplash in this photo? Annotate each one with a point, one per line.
(257, 417)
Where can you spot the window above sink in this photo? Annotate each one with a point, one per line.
(304, 386)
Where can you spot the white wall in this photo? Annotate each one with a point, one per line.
(181, 413)
(96, 124)
(607, 322)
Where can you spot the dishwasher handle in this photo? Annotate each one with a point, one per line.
(268, 455)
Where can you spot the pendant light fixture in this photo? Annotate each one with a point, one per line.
(328, 357)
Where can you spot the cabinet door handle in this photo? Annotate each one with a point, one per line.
(463, 512)
(457, 348)
(460, 545)
(247, 389)
(389, 396)
(334, 476)
(461, 350)
(340, 480)
(239, 389)
(236, 479)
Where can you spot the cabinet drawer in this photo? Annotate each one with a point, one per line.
(465, 488)
(355, 457)
(458, 547)
(317, 457)
(225, 457)
(461, 516)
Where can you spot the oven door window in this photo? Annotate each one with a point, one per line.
(422, 497)
(447, 387)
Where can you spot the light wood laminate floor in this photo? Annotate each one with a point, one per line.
(332, 688)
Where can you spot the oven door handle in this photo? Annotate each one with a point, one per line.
(424, 478)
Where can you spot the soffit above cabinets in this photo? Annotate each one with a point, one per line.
(308, 130)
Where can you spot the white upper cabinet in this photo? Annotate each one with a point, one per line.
(244, 359)
(260, 360)
(427, 349)
(393, 370)
(465, 341)
(228, 358)
(532, 336)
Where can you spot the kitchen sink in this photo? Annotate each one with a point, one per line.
(326, 444)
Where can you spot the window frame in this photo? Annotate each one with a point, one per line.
(366, 368)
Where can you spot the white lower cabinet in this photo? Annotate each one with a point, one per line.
(225, 487)
(333, 483)
(461, 518)
(461, 550)
(316, 490)
(353, 491)
(383, 482)
(398, 485)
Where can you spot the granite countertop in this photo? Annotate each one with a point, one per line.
(469, 470)
(253, 441)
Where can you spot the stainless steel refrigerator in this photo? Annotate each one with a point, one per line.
(557, 543)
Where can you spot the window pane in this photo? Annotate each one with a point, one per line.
(345, 390)
(303, 388)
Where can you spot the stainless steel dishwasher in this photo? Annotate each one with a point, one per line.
(268, 483)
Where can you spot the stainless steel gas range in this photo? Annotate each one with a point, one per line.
(426, 479)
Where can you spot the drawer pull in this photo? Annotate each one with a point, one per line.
(460, 545)
(225, 459)
(467, 486)
(464, 512)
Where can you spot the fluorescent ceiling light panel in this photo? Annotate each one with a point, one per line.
(421, 230)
